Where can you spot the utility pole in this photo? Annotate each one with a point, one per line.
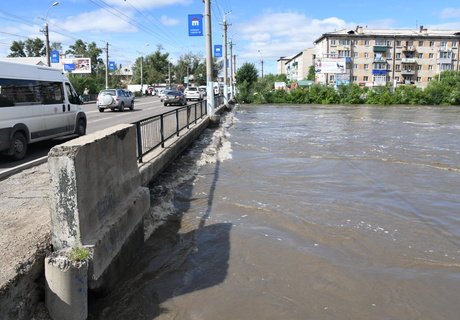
(107, 65)
(47, 41)
(225, 25)
(232, 90)
(142, 75)
(209, 85)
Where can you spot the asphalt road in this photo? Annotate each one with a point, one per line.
(144, 107)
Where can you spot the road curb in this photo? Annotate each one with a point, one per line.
(10, 172)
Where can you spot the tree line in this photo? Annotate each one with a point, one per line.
(443, 90)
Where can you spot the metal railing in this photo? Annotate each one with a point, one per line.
(154, 131)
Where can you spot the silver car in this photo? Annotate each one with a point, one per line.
(115, 99)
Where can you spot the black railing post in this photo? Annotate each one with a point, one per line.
(162, 131)
(195, 107)
(139, 141)
(177, 122)
(188, 117)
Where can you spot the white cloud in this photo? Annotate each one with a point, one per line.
(449, 13)
(99, 21)
(169, 21)
(278, 34)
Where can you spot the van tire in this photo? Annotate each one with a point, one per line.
(132, 106)
(101, 109)
(18, 148)
(81, 127)
(122, 107)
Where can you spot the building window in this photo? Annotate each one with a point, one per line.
(366, 54)
(398, 43)
(443, 44)
(366, 43)
(420, 43)
(420, 56)
(397, 67)
(366, 78)
(355, 78)
(419, 79)
(397, 79)
(344, 42)
(331, 78)
(454, 44)
(366, 66)
(431, 43)
(430, 56)
(398, 55)
(355, 66)
(419, 67)
(355, 54)
(430, 79)
(409, 43)
(430, 67)
(344, 53)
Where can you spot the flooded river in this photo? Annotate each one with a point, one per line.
(305, 212)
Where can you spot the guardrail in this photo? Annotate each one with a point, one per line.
(154, 131)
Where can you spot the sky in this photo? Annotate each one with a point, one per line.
(261, 30)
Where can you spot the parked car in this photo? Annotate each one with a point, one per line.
(174, 97)
(115, 99)
(193, 93)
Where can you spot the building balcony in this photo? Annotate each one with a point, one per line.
(445, 60)
(343, 47)
(408, 48)
(381, 48)
(379, 72)
(408, 60)
(408, 72)
(380, 60)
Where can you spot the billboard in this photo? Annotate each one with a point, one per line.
(195, 25)
(218, 51)
(330, 65)
(77, 65)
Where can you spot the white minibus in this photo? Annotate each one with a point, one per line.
(36, 103)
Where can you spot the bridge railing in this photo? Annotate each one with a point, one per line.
(154, 131)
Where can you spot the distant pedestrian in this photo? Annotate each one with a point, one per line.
(85, 97)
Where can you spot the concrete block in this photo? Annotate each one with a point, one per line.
(66, 292)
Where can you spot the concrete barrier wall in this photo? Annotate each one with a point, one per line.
(96, 198)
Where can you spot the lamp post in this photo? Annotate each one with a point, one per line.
(142, 70)
(47, 38)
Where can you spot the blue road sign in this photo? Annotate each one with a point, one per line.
(217, 51)
(112, 66)
(54, 56)
(195, 25)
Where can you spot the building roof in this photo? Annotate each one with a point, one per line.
(37, 61)
(399, 33)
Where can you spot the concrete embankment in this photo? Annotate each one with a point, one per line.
(22, 280)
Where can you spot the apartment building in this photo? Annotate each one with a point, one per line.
(376, 57)
(296, 67)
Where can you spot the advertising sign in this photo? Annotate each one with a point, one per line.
(330, 65)
(217, 51)
(77, 65)
(195, 25)
(112, 66)
(54, 56)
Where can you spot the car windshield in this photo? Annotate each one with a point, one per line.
(192, 89)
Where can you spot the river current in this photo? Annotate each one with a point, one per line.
(304, 212)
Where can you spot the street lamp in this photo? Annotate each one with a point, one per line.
(47, 41)
(142, 70)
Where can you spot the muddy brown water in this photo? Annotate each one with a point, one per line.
(305, 212)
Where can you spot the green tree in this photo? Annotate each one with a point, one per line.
(35, 47)
(311, 73)
(246, 77)
(17, 49)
